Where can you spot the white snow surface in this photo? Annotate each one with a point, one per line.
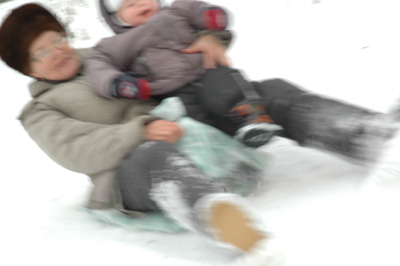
(323, 209)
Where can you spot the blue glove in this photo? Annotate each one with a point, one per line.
(130, 87)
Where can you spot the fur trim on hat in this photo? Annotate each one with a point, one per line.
(19, 29)
(113, 5)
(117, 20)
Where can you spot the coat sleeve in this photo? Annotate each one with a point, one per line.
(82, 147)
(197, 14)
(115, 55)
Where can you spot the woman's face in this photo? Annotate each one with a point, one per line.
(137, 12)
(51, 57)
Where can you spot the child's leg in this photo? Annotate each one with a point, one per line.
(155, 175)
(190, 95)
(220, 92)
(235, 106)
(218, 99)
(210, 99)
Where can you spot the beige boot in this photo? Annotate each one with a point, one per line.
(233, 226)
(228, 219)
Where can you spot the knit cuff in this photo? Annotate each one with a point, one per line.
(215, 18)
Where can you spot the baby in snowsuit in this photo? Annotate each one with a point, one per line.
(146, 60)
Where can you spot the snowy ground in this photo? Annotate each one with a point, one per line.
(316, 204)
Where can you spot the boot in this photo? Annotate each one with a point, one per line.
(233, 224)
(311, 120)
(257, 126)
(185, 195)
(339, 127)
(224, 218)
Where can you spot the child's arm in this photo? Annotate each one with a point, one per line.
(201, 16)
(109, 65)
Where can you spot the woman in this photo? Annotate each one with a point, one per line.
(96, 136)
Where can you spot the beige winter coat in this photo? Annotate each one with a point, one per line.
(84, 132)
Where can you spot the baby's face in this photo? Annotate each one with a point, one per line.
(137, 12)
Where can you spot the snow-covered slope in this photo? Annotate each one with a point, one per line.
(324, 210)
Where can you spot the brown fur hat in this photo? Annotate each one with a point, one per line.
(17, 32)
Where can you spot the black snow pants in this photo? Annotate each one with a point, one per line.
(310, 119)
(210, 99)
(155, 162)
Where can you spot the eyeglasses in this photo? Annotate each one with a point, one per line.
(44, 53)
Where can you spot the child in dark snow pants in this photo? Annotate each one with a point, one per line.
(152, 50)
(307, 118)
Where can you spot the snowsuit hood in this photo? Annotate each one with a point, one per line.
(107, 17)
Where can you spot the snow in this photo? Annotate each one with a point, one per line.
(323, 209)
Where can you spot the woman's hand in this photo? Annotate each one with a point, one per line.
(213, 51)
(163, 130)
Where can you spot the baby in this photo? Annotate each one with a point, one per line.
(146, 60)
